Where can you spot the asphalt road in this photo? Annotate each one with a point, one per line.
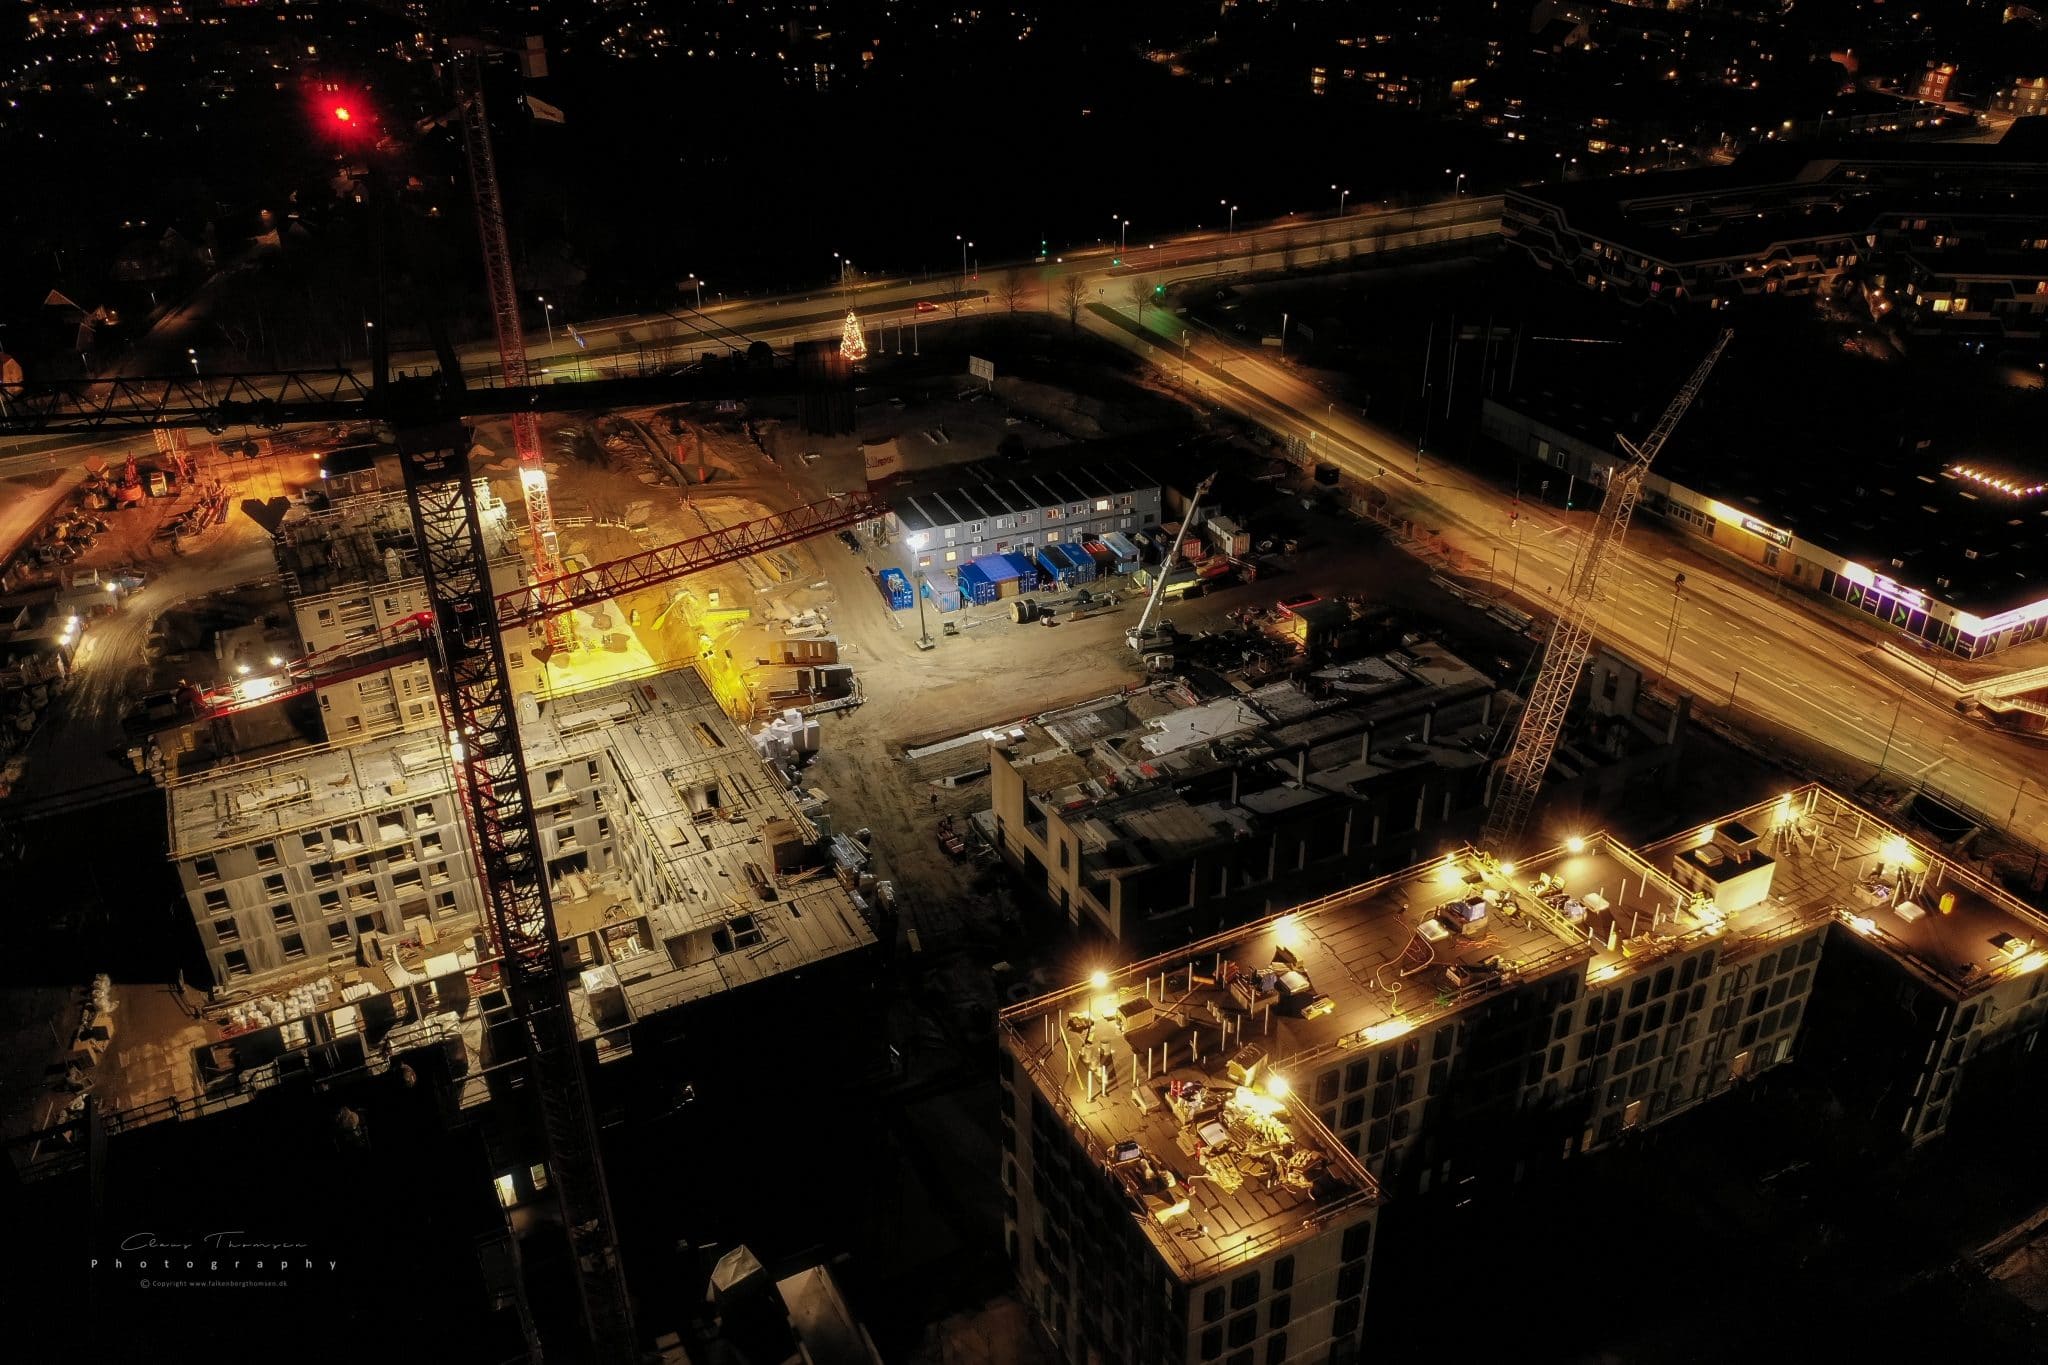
(1765, 660)
(1762, 658)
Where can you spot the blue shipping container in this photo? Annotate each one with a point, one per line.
(896, 588)
(975, 585)
(1080, 568)
(1027, 571)
(996, 568)
(944, 598)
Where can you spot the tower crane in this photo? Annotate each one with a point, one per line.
(467, 72)
(1564, 656)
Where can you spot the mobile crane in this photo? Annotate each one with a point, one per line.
(1144, 637)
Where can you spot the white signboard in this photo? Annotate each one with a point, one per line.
(981, 369)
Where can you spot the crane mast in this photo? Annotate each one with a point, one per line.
(1564, 656)
(504, 295)
(1136, 635)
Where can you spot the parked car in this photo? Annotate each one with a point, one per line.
(927, 306)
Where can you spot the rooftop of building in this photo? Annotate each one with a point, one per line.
(716, 818)
(1861, 458)
(319, 787)
(995, 488)
(1832, 859)
(370, 540)
(1159, 773)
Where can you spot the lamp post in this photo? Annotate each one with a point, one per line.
(1123, 226)
(1886, 756)
(1233, 216)
(838, 271)
(917, 542)
(548, 312)
(1342, 195)
(193, 355)
(961, 238)
(700, 292)
(1671, 639)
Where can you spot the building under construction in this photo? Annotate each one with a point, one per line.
(680, 865)
(352, 575)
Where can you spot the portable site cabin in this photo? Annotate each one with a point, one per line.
(896, 588)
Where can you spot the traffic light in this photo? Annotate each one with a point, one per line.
(1116, 260)
(1158, 290)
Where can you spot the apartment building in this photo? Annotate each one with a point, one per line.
(1118, 1250)
(296, 861)
(1157, 816)
(999, 508)
(352, 575)
(1458, 1023)
(681, 868)
(1937, 978)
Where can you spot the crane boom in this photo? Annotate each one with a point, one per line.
(504, 297)
(404, 642)
(1564, 656)
(1136, 634)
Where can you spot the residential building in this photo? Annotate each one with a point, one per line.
(1157, 816)
(1782, 219)
(1934, 978)
(1000, 509)
(681, 867)
(1458, 1023)
(352, 576)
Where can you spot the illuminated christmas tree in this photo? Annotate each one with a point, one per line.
(853, 347)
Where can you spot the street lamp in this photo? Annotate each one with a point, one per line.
(1671, 639)
(1233, 216)
(1457, 181)
(961, 238)
(193, 356)
(700, 292)
(1342, 195)
(917, 543)
(548, 312)
(1122, 232)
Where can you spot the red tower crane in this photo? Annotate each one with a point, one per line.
(504, 299)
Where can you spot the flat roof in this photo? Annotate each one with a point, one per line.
(324, 786)
(1856, 459)
(1835, 860)
(1051, 478)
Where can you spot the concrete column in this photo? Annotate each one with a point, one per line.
(1365, 745)
(1428, 724)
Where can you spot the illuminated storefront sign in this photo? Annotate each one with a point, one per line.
(1779, 538)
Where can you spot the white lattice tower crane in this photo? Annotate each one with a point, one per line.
(1521, 776)
(504, 296)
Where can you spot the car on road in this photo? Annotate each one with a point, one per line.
(850, 541)
(927, 306)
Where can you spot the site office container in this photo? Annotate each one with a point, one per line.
(1104, 557)
(895, 587)
(941, 596)
(1125, 549)
(1070, 565)
(975, 585)
(1028, 572)
(1000, 572)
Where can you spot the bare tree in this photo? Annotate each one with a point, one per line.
(1011, 289)
(1141, 294)
(1072, 291)
(956, 295)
